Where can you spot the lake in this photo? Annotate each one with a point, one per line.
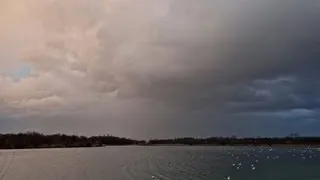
(161, 163)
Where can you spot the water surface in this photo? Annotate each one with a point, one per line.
(161, 163)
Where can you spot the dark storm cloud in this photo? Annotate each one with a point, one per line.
(266, 42)
(263, 63)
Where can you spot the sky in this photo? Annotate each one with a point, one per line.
(160, 68)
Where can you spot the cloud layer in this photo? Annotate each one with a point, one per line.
(152, 68)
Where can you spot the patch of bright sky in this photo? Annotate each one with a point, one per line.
(20, 72)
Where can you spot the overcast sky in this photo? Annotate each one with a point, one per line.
(160, 68)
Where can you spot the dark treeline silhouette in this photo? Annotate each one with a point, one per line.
(233, 141)
(37, 140)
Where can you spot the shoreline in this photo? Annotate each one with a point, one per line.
(34, 140)
(173, 145)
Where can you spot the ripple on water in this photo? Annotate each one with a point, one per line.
(6, 164)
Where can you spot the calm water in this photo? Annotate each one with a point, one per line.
(167, 163)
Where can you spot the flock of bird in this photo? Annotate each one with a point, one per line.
(240, 156)
(268, 154)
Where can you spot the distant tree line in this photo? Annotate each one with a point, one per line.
(37, 140)
(233, 141)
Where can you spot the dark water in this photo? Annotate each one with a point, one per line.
(165, 163)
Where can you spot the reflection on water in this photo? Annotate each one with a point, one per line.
(161, 163)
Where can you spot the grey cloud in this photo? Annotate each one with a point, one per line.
(278, 40)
